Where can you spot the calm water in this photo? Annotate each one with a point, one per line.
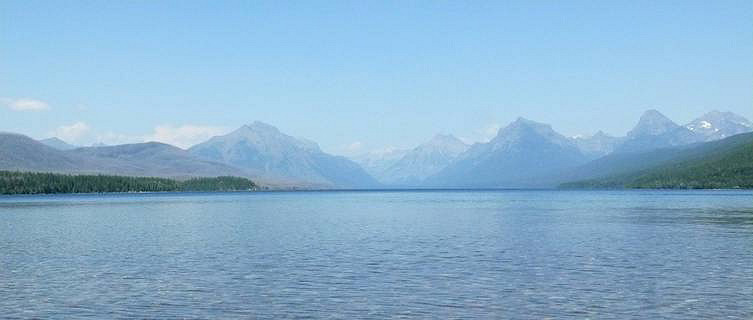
(493, 254)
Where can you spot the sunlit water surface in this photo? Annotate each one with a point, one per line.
(461, 254)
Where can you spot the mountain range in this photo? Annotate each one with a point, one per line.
(531, 154)
(655, 131)
(521, 150)
(523, 154)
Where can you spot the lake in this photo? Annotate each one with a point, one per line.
(377, 254)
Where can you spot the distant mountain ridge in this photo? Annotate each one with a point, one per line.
(21, 153)
(655, 131)
(717, 125)
(154, 159)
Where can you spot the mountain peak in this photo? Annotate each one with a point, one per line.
(443, 143)
(57, 143)
(133, 148)
(522, 124)
(443, 140)
(653, 116)
(525, 121)
(600, 134)
(652, 123)
(717, 125)
(261, 126)
(523, 129)
(726, 116)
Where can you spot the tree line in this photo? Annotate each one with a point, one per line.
(14, 182)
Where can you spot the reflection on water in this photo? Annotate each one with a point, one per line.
(489, 254)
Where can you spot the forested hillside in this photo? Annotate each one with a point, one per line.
(726, 168)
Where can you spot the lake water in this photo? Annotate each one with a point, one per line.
(460, 254)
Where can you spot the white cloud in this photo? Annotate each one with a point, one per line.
(349, 149)
(74, 132)
(112, 138)
(184, 136)
(24, 104)
(491, 131)
(486, 133)
(354, 147)
(482, 135)
(181, 136)
(468, 141)
(385, 150)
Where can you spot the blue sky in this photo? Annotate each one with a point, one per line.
(362, 75)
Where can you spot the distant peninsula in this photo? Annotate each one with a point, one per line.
(14, 182)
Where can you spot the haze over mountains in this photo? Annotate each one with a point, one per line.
(413, 166)
(523, 154)
(377, 162)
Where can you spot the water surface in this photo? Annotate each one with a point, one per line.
(459, 254)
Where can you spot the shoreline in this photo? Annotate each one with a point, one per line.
(384, 190)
